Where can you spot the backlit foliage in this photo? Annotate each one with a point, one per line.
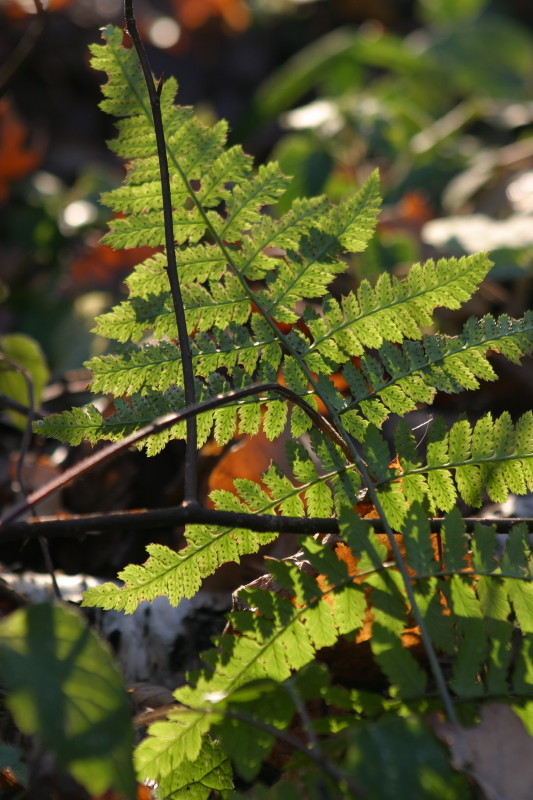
(259, 307)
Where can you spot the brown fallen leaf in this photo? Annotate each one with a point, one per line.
(497, 753)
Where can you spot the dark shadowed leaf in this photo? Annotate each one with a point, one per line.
(64, 687)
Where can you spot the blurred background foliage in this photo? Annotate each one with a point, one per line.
(437, 93)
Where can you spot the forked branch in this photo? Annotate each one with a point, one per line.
(160, 424)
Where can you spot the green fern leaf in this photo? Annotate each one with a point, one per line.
(280, 486)
(248, 744)
(243, 273)
(394, 310)
(278, 637)
(474, 646)
(155, 367)
(180, 574)
(177, 574)
(414, 485)
(308, 272)
(484, 549)
(175, 743)
(417, 541)
(439, 624)
(517, 560)
(454, 542)
(494, 464)
(440, 483)
(247, 199)
(275, 419)
(210, 771)
(250, 418)
(496, 611)
(406, 676)
(403, 376)
(225, 424)
(87, 423)
(118, 102)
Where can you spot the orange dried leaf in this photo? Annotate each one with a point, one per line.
(17, 158)
(100, 264)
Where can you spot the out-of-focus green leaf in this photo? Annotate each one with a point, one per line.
(20, 352)
(422, 772)
(489, 57)
(450, 11)
(308, 161)
(320, 62)
(63, 687)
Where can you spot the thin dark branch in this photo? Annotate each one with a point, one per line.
(142, 519)
(167, 421)
(24, 449)
(191, 452)
(24, 47)
(163, 518)
(14, 405)
(312, 738)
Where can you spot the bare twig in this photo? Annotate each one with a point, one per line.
(140, 519)
(167, 421)
(191, 452)
(162, 518)
(312, 738)
(14, 405)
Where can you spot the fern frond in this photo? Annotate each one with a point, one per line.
(472, 613)
(177, 574)
(392, 310)
(493, 456)
(299, 255)
(88, 423)
(254, 260)
(206, 307)
(195, 264)
(308, 272)
(117, 101)
(247, 199)
(399, 377)
(280, 635)
(210, 770)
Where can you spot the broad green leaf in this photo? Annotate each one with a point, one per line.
(419, 769)
(63, 686)
(21, 356)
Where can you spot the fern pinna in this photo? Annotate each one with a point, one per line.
(256, 291)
